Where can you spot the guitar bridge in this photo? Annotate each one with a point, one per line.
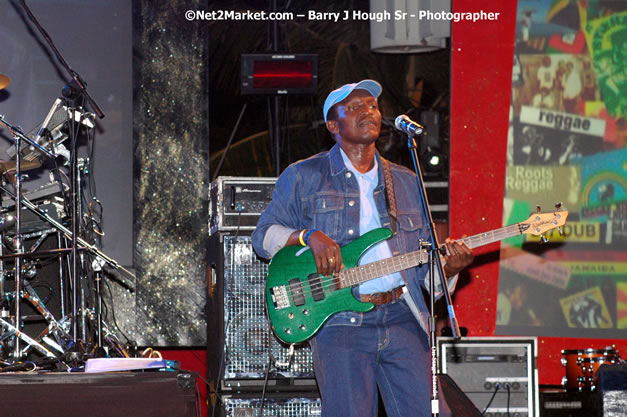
(280, 299)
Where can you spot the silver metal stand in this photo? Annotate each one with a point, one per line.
(18, 137)
(434, 262)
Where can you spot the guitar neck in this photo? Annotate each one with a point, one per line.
(495, 235)
(363, 273)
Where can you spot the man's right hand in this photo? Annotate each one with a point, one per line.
(326, 253)
(324, 249)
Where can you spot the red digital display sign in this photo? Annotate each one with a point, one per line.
(282, 74)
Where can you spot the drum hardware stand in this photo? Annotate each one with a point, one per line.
(110, 338)
(72, 91)
(54, 326)
(63, 232)
(29, 294)
(18, 137)
(75, 90)
(62, 300)
(13, 331)
(78, 211)
(96, 266)
(68, 234)
(63, 339)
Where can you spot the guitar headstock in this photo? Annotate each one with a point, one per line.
(539, 223)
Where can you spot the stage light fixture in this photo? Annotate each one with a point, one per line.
(433, 160)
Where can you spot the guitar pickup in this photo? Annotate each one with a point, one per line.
(315, 284)
(296, 289)
(280, 299)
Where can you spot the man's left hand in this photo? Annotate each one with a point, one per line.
(458, 256)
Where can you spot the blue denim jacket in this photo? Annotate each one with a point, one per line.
(321, 193)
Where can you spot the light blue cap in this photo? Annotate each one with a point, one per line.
(341, 93)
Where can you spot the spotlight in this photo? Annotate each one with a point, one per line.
(433, 161)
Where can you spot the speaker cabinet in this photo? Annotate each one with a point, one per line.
(561, 403)
(612, 383)
(137, 394)
(497, 374)
(609, 399)
(241, 344)
(275, 405)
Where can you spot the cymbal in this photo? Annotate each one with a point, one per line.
(4, 81)
(10, 166)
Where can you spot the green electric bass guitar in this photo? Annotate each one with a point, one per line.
(299, 300)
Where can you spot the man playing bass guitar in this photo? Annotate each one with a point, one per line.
(322, 204)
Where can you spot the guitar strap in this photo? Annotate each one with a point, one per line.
(389, 193)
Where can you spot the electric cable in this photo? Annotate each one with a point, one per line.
(497, 386)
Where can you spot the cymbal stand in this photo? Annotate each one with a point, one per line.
(78, 208)
(61, 276)
(79, 268)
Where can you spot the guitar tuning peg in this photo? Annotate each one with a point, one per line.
(559, 230)
(543, 238)
(558, 206)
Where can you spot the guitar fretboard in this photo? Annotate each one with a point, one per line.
(494, 235)
(363, 273)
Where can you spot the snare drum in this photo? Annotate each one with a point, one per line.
(582, 365)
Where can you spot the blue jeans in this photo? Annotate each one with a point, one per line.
(356, 352)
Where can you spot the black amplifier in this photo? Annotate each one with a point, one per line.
(275, 405)
(562, 403)
(497, 374)
(235, 203)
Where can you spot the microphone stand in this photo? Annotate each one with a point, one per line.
(75, 76)
(435, 261)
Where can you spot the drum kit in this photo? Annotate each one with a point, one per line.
(582, 366)
(79, 331)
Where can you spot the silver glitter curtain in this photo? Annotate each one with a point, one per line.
(170, 174)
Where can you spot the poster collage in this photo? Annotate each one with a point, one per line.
(566, 143)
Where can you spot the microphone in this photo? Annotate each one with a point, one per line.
(408, 126)
(71, 92)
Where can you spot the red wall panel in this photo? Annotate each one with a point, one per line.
(481, 63)
(481, 66)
